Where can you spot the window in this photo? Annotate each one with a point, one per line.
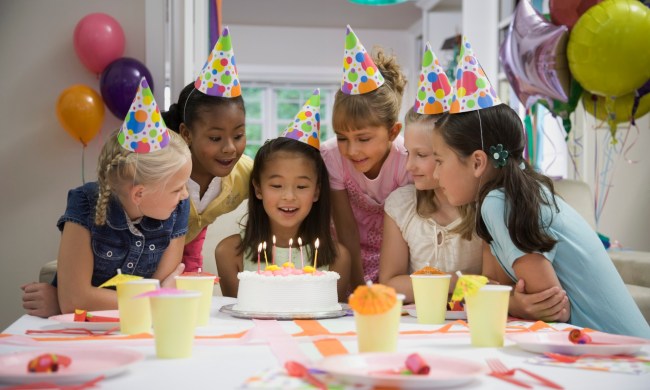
(270, 108)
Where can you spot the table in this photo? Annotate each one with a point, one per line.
(225, 355)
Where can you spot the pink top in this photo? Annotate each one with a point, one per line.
(367, 196)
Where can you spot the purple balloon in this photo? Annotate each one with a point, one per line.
(533, 56)
(119, 83)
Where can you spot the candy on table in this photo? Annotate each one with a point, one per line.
(429, 271)
(48, 362)
(373, 299)
(417, 365)
(84, 316)
(579, 336)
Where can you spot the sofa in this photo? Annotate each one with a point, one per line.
(633, 266)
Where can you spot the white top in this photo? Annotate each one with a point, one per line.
(214, 189)
(431, 244)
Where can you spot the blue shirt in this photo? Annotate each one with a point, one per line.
(598, 296)
(114, 245)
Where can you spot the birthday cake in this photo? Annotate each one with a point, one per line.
(287, 290)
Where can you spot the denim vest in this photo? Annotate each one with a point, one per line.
(114, 245)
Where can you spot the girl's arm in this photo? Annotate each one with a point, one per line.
(394, 260)
(229, 264)
(542, 296)
(169, 262)
(492, 269)
(74, 273)
(341, 265)
(347, 234)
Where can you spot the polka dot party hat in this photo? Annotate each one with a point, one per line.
(434, 90)
(306, 125)
(143, 130)
(360, 74)
(473, 89)
(219, 74)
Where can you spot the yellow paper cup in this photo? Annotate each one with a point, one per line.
(487, 314)
(378, 332)
(135, 314)
(204, 285)
(431, 292)
(174, 321)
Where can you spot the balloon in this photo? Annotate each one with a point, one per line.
(98, 41)
(565, 109)
(616, 110)
(567, 12)
(609, 49)
(81, 112)
(641, 92)
(533, 57)
(119, 83)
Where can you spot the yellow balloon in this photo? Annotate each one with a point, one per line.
(609, 47)
(81, 112)
(614, 111)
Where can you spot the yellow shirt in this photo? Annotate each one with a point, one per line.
(234, 189)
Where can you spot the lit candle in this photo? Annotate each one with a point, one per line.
(266, 259)
(259, 250)
(316, 253)
(290, 244)
(273, 251)
(302, 262)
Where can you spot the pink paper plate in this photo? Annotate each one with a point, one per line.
(69, 322)
(360, 369)
(450, 315)
(86, 364)
(558, 342)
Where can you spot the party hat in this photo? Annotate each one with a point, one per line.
(219, 74)
(143, 130)
(434, 90)
(360, 74)
(473, 89)
(306, 125)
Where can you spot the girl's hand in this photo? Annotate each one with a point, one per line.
(550, 305)
(40, 299)
(169, 281)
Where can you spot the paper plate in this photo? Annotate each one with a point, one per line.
(86, 364)
(558, 342)
(362, 369)
(450, 315)
(69, 322)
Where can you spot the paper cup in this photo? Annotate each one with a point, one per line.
(487, 314)
(431, 292)
(174, 321)
(204, 285)
(135, 314)
(378, 332)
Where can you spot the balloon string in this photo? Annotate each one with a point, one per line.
(83, 159)
(550, 140)
(636, 138)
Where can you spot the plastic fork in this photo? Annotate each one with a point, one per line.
(298, 370)
(499, 370)
(572, 359)
(81, 331)
(54, 386)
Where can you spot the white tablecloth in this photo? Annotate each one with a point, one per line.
(227, 363)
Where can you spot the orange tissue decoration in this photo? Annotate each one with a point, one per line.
(429, 271)
(373, 299)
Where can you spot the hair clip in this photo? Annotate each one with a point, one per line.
(498, 155)
(522, 165)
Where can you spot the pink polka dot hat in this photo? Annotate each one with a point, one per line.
(360, 74)
(434, 92)
(143, 130)
(473, 89)
(219, 74)
(306, 125)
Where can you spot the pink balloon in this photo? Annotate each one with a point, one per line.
(98, 41)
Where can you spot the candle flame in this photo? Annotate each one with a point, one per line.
(299, 241)
(316, 243)
(264, 245)
(274, 239)
(290, 241)
(259, 248)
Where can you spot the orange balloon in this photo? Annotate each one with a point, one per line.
(81, 112)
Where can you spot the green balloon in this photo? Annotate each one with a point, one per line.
(565, 109)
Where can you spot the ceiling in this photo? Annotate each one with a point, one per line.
(320, 13)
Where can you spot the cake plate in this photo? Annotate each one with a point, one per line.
(316, 315)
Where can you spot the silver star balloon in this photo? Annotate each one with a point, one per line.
(533, 56)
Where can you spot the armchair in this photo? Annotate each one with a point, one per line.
(633, 266)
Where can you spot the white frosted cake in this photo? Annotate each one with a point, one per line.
(287, 291)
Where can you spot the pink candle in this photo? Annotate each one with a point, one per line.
(290, 244)
(302, 262)
(273, 251)
(259, 251)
